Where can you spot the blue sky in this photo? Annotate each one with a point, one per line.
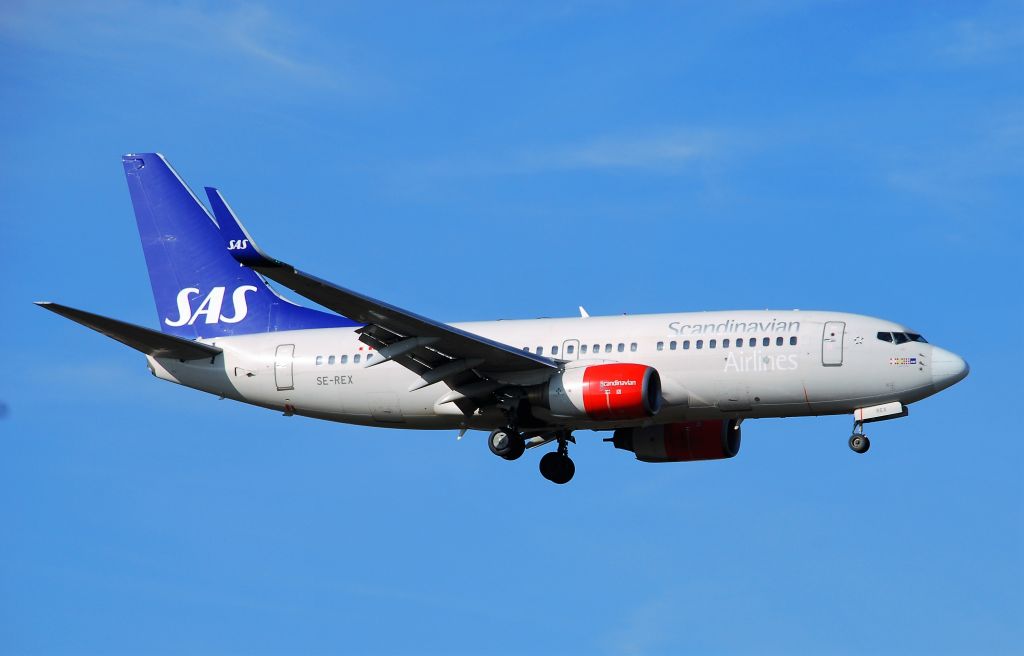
(475, 162)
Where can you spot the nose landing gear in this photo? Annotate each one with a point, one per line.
(859, 442)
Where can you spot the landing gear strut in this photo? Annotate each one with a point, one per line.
(506, 443)
(859, 442)
(557, 466)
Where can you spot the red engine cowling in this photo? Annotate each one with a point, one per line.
(603, 392)
(681, 442)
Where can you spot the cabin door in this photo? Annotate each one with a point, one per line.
(284, 359)
(832, 343)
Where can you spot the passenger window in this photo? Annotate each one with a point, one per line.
(672, 345)
(792, 341)
(766, 341)
(621, 347)
(330, 359)
(885, 337)
(540, 350)
(711, 343)
(583, 349)
(661, 346)
(554, 350)
(344, 359)
(700, 343)
(778, 341)
(632, 347)
(607, 348)
(319, 360)
(355, 358)
(596, 349)
(725, 343)
(570, 349)
(369, 356)
(901, 338)
(686, 345)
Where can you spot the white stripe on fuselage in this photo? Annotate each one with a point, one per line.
(760, 381)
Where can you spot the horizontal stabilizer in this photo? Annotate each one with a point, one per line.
(150, 342)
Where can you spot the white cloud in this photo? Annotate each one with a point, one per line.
(129, 29)
(973, 41)
(643, 628)
(961, 171)
(669, 151)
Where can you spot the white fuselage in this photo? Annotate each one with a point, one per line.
(737, 364)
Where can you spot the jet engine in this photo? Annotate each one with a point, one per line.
(681, 442)
(602, 392)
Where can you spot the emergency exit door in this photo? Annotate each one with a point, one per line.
(832, 343)
(283, 363)
(571, 349)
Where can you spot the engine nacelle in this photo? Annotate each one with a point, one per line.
(681, 442)
(602, 392)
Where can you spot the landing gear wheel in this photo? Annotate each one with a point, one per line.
(518, 448)
(860, 443)
(506, 443)
(557, 468)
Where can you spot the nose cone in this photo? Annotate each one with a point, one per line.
(947, 368)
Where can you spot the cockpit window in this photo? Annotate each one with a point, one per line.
(901, 338)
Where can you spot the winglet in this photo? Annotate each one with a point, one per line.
(583, 313)
(240, 245)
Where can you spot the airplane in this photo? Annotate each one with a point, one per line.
(669, 387)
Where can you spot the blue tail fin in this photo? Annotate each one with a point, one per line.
(200, 290)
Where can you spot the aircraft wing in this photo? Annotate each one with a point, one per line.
(434, 350)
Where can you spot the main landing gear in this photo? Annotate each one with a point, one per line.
(556, 466)
(859, 442)
(507, 443)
